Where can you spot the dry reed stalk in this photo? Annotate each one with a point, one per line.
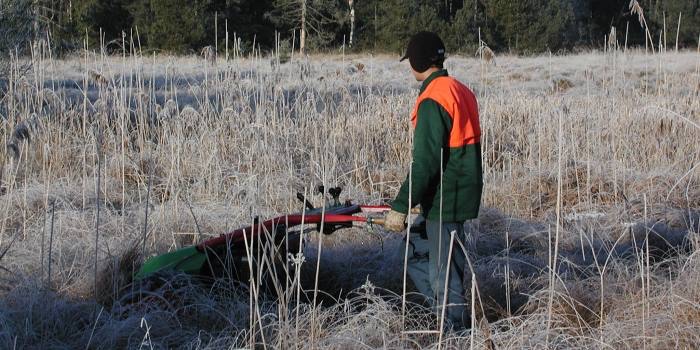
(697, 69)
(318, 267)
(473, 310)
(144, 235)
(636, 9)
(254, 306)
(49, 258)
(665, 46)
(553, 262)
(443, 306)
(407, 246)
(98, 180)
(298, 262)
(678, 29)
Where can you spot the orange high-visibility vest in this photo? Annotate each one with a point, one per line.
(460, 103)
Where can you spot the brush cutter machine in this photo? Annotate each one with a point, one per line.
(264, 247)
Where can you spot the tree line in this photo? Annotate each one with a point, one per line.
(525, 26)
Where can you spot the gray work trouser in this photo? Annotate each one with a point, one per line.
(428, 266)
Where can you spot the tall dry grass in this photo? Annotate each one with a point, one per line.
(211, 144)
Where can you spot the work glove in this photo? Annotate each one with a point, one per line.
(395, 221)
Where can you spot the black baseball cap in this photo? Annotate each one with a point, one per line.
(425, 49)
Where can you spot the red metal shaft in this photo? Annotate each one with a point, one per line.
(286, 220)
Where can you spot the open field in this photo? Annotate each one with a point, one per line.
(582, 154)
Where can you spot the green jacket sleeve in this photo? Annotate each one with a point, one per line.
(429, 141)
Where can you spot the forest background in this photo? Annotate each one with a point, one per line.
(375, 26)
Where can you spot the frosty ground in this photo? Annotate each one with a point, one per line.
(594, 147)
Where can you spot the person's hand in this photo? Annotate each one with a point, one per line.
(395, 221)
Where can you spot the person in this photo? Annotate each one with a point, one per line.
(445, 178)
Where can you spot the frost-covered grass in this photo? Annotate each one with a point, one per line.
(580, 150)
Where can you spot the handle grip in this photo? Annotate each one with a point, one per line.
(376, 221)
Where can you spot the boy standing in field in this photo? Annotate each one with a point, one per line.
(446, 176)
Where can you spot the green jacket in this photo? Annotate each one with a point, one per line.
(458, 191)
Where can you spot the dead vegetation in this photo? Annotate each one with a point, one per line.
(604, 173)
(562, 85)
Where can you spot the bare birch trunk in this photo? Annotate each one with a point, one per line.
(302, 34)
(352, 21)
